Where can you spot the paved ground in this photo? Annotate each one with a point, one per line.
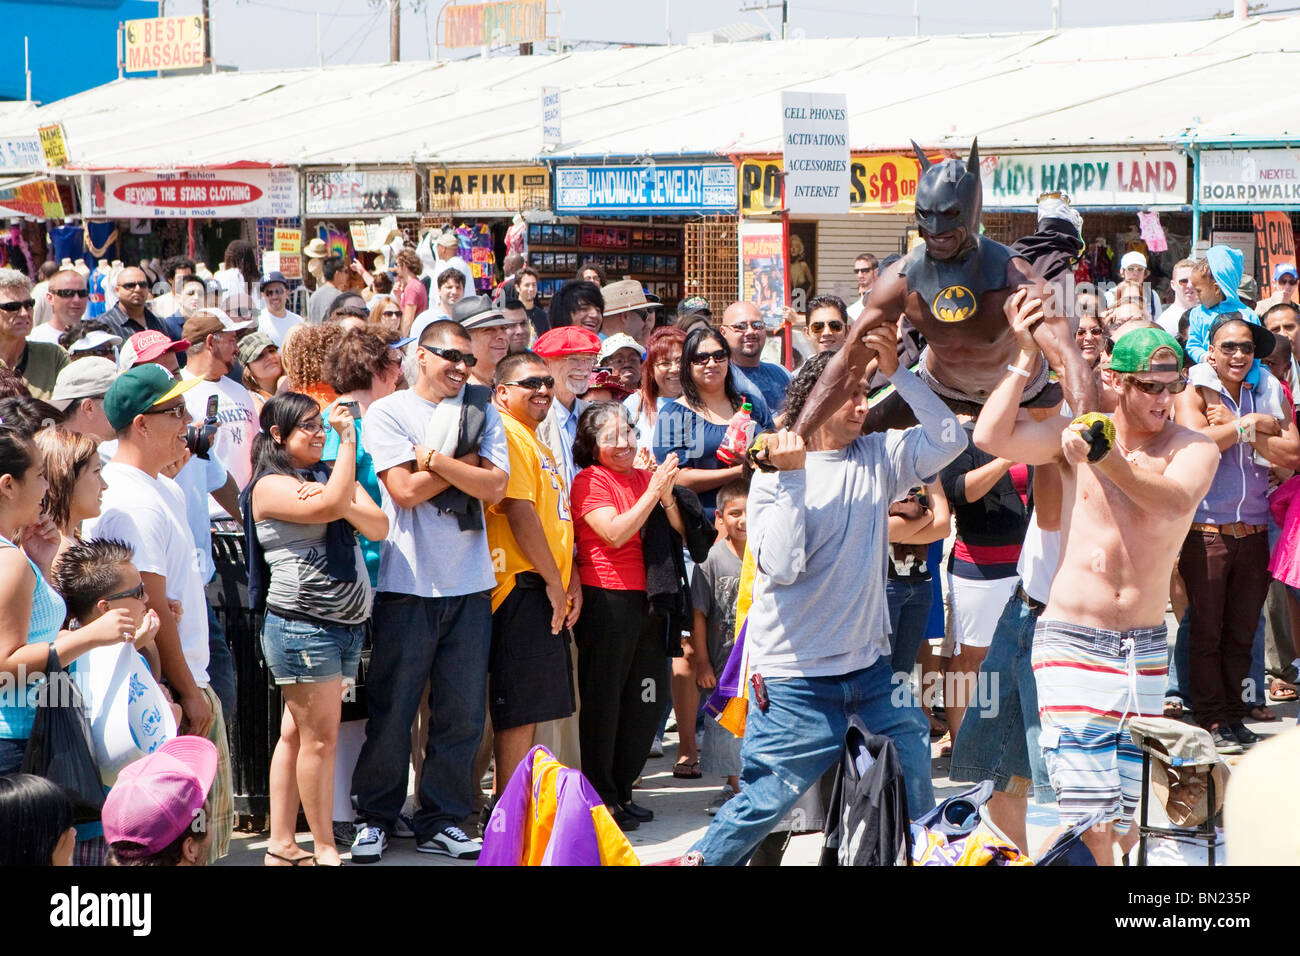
(680, 817)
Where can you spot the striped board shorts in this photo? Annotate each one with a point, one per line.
(1088, 686)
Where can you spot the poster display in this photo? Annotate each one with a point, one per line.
(762, 268)
(1274, 245)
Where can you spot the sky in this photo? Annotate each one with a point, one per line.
(267, 34)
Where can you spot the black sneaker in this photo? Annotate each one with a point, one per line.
(625, 821)
(638, 812)
(1245, 736)
(1225, 742)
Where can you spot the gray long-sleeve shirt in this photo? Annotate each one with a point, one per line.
(821, 539)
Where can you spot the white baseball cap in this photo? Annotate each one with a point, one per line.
(1133, 258)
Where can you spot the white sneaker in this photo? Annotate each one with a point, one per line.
(369, 845)
(453, 842)
(657, 747)
(405, 827)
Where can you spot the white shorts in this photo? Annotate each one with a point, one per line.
(976, 607)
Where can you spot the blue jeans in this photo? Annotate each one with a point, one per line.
(798, 738)
(221, 667)
(909, 610)
(1180, 662)
(998, 739)
(416, 640)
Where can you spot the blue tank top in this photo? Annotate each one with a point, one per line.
(48, 613)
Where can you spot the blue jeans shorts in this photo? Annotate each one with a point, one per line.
(310, 652)
(998, 739)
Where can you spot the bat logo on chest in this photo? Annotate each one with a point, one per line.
(956, 303)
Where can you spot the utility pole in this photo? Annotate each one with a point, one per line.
(916, 17)
(772, 5)
(1056, 14)
(394, 30)
(207, 38)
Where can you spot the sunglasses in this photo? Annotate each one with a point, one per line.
(535, 382)
(133, 285)
(176, 411)
(1094, 333)
(864, 271)
(704, 358)
(136, 592)
(452, 355)
(1286, 280)
(1155, 388)
(391, 313)
(19, 305)
(71, 293)
(1232, 348)
(835, 325)
(747, 326)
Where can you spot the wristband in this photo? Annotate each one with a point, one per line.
(428, 459)
(670, 506)
(1019, 371)
(1245, 433)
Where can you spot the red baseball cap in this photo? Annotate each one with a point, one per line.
(148, 346)
(567, 340)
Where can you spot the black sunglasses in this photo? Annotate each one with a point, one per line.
(71, 293)
(133, 285)
(703, 358)
(1232, 348)
(535, 382)
(452, 355)
(136, 592)
(1155, 388)
(19, 305)
(868, 269)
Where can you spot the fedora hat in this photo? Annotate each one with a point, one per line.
(626, 295)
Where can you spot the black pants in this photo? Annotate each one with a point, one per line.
(1227, 580)
(622, 683)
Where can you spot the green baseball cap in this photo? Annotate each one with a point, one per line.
(1134, 350)
(139, 389)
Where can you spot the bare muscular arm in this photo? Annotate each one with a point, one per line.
(1052, 334)
(1173, 495)
(849, 365)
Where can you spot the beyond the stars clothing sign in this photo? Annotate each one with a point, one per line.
(203, 194)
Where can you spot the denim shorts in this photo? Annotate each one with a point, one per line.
(310, 652)
(998, 739)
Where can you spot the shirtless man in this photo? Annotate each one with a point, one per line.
(1123, 520)
(953, 288)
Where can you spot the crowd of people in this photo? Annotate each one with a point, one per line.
(535, 524)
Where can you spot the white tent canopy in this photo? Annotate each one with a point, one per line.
(1221, 81)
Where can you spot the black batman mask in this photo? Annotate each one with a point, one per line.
(949, 195)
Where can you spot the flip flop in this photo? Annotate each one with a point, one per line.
(1284, 693)
(687, 770)
(290, 860)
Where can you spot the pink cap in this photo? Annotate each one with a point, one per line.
(567, 340)
(157, 797)
(148, 346)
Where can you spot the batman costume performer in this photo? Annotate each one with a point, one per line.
(953, 287)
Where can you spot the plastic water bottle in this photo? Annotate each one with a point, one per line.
(739, 434)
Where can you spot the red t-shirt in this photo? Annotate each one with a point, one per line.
(413, 293)
(599, 565)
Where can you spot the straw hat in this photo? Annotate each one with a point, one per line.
(626, 295)
(315, 249)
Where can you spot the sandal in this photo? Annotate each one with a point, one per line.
(1281, 691)
(289, 860)
(945, 745)
(1174, 709)
(687, 770)
(1263, 714)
